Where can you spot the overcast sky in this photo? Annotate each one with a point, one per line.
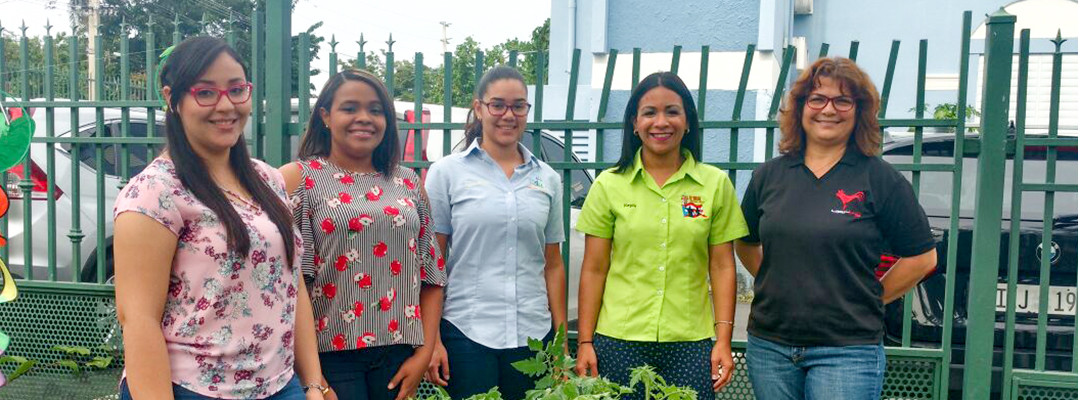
(414, 23)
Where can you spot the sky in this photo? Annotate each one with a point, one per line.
(415, 24)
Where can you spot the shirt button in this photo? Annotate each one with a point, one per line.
(513, 219)
(660, 292)
(662, 245)
(662, 268)
(663, 200)
(664, 220)
(510, 249)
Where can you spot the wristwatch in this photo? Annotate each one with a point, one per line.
(323, 389)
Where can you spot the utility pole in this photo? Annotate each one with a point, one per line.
(445, 39)
(92, 21)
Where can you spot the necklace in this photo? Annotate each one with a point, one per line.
(248, 203)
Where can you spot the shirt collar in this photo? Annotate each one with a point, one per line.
(852, 157)
(688, 168)
(474, 150)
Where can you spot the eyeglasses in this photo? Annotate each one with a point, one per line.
(497, 108)
(209, 96)
(819, 102)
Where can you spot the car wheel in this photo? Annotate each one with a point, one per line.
(89, 271)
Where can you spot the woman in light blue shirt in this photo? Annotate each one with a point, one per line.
(497, 208)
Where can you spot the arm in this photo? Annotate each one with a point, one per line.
(554, 273)
(592, 283)
(438, 369)
(143, 250)
(411, 372)
(901, 277)
(723, 274)
(751, 254)
(307, 365)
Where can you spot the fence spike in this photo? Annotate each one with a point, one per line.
(48, 27)
(23, 27)
(149, 22)
(1058, 41)
(333, 43)
(390, 41)
(361, 42)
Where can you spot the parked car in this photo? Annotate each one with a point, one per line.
(928, 296)
(551, 150)
(65, 155)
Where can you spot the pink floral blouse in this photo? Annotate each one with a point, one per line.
(229, 318)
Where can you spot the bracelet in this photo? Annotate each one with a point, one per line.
(323, 389)
(731, 323)
(584, 342)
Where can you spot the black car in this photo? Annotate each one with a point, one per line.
(928, 296)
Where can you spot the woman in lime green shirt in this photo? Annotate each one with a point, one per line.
(659, 228)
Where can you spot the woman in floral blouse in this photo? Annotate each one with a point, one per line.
(207, 289)
(369, 253)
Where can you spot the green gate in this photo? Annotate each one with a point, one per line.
(58, 308)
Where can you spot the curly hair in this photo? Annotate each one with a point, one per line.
(855, 83)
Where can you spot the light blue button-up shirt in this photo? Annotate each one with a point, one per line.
(499, 228)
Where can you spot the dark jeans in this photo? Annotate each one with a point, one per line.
(686, 364)
(364, 374)
(475, 369)
(291, 391)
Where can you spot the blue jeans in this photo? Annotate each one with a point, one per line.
(364, 374)
(780, 372)
(475, 369)
(291, 391)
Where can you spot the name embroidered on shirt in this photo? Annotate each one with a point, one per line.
(692, 207)
(629, 205)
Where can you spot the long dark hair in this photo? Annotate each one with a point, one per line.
(317, 140)
(631, 143)
(184, 66)
(473, 129)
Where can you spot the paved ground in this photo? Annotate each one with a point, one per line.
(741, 321)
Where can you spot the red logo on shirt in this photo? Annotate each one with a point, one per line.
(846, 200)
(692, 207)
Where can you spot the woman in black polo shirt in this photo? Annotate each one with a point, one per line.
(819, 217)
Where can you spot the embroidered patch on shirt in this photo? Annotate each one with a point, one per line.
(692, 207)
(536, 183)
(846, 200)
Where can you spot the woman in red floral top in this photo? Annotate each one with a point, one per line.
(369, 256)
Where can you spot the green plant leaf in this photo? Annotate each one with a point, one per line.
(72, 365)
(535, 344)
(545, 383)
(12, 359)
(23, 368)
(83, 351)
(531, 366)
(100, 362)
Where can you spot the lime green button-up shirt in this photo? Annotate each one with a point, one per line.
(657, 284)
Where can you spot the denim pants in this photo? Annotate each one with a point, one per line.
(475, 369)
(291, 391)
(780, 372)
(686, 364)
(364, 374)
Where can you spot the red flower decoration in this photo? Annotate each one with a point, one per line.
(354, 225)
(314, 164)
(422, 274)
(363, 280)
(395, 267)
(381, 249)
(308, 183)
(411, 244)
(345, 197)
(385, 303)
(441, 264)
(347, 180)
(322, 323)
(408, 183)
(327, 226)
(375, 193)
(358, 309)
(367, 339)
(317, 260)
(329, 290)
(338, 341)
(391, 211)
(342, 263)
(394, 325)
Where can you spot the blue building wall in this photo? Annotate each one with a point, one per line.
(652, 26)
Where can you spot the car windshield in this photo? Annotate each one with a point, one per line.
(554, 151)
(936, 187)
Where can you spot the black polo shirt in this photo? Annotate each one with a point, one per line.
(822, 240)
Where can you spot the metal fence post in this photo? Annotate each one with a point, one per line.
(984, 268)
(278, 81)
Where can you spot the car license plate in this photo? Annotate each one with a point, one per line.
(1061, 300)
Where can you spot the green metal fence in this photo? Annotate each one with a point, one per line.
(58, 307)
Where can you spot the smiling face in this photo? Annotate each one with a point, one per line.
(356, 120)
(660, 121)
(506, 129)
(827, 126)
(214, 129)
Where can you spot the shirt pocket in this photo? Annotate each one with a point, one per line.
(695, 215)
(533, 207)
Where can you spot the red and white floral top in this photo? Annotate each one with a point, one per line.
(368, 246)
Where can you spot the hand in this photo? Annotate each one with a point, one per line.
(587, 363)
(722, 365)
(330, 395)
(409, 375)
(438, 368)
(315, 394)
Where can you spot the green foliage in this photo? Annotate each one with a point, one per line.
(950, 111)
(78, 359)
(24, 366)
